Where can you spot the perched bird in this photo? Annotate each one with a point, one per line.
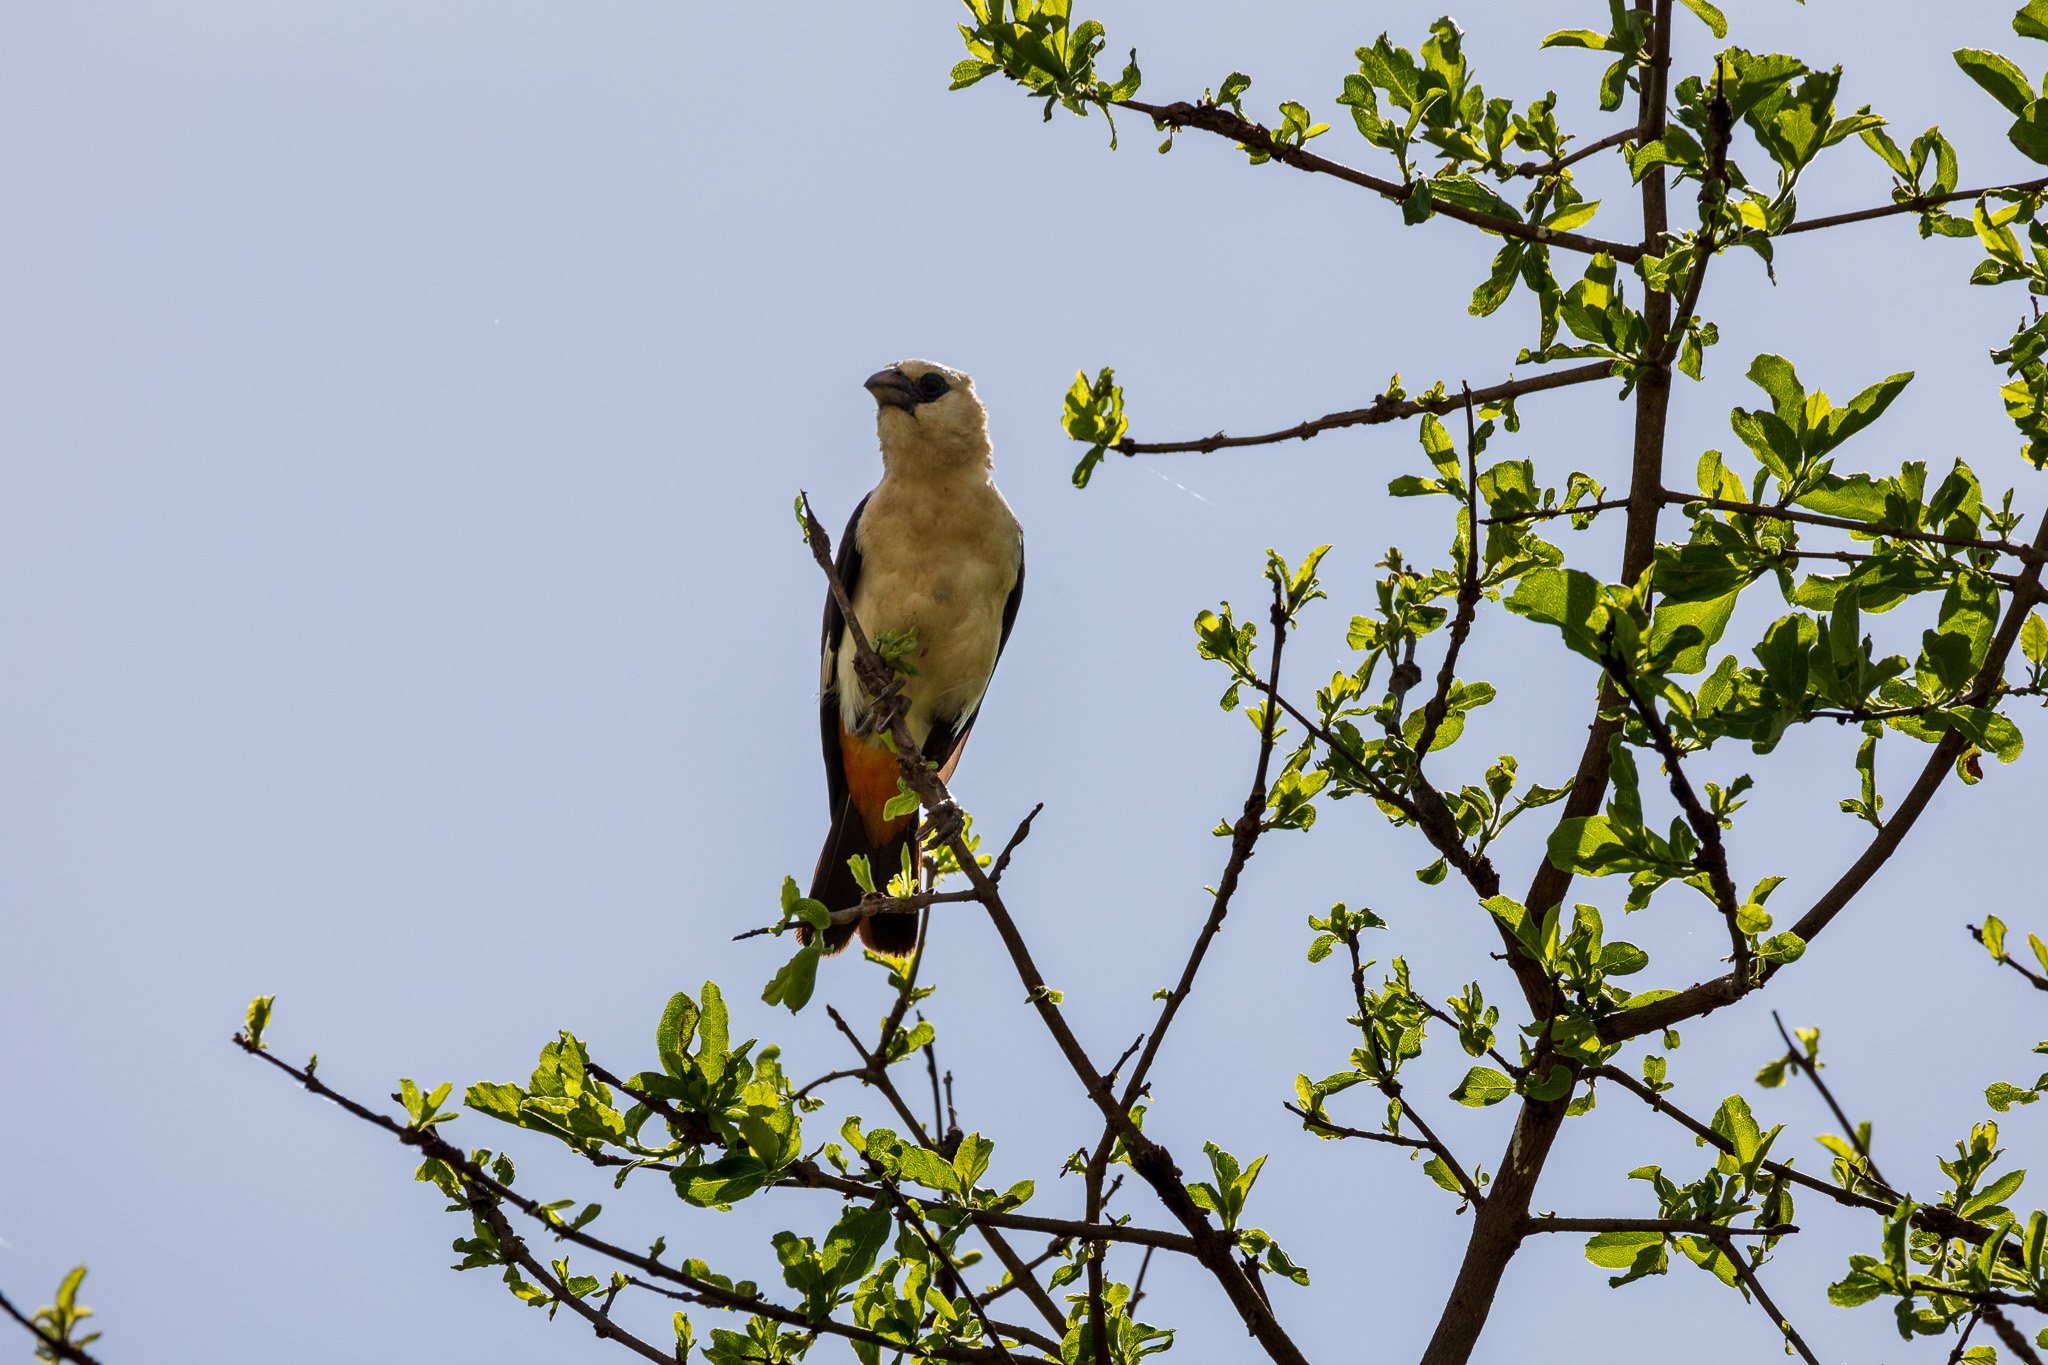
(932, 549)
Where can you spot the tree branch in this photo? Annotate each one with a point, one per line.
(1918, 203)
(1392, 1088)
(1693, 1227)
(1210, 118)
(1712, 857)
(1536, 170)
(1927, 1217)
(1385, 408)
(1806, 1067)
(1468, 596)
(1244, 839)
(1338, 1130)
(2029, 554)
(1497, 1228)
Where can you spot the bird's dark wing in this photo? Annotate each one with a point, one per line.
(848, 565)
(949, 734)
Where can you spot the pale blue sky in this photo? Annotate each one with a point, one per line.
(402, 614)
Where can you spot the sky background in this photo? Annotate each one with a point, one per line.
(400, 613)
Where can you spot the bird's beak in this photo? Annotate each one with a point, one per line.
(892, 389)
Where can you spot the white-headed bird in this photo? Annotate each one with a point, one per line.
(932, 549)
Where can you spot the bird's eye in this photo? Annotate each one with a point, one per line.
(931, 386)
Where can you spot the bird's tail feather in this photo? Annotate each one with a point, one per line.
(892, 934)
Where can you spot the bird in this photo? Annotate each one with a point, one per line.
(933, 548)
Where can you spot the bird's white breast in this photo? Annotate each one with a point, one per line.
(939, 557)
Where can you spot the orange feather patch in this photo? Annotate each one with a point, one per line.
(871, 775)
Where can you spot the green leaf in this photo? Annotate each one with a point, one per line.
(1710, 15)
(1482, 1086)
(1994, 937)
(793, 982)
(678, 1025)
(258, 1017)
(1581, 37)
(722, 1183)
(712, 1035)
(2029, 131)
(2001, 1096)
(1568, 599)
(1618, 1250)
(1094, 412)
(2032, 20)
(2002, 80)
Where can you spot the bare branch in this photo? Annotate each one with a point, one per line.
(1538, 169)
(1385, 408)
(1244, 839)
(1804, 1064)
(1694, 1227)
(1918, 203)
(1746, 1272)
(1338, 1130)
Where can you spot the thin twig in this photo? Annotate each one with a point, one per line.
(1962, 1342)
(1546, 513)
(1712, 857)
(1804, 1064)
(1244, 838)
(1338, 1130)
(1747, 1274)
(2033, 978)
(1138, 1284)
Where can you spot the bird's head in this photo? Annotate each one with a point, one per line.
(928, 416)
